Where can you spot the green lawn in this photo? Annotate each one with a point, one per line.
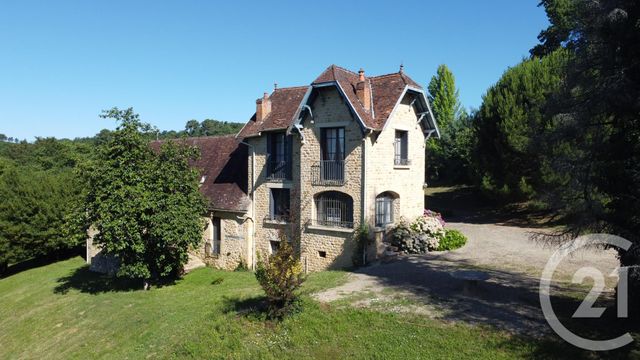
(62, 311)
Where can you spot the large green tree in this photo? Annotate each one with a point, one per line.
(594, 167)
(37, 188)
(511, 125)
(447, 157)
(145, 205)
(444, 96)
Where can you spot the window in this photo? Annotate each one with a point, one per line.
(275, 245)
(401, 147)
(332, 144)
(384, 209)
(332, 154)
(279, 205)
(216, 239)
(334, 209)
(279, 149)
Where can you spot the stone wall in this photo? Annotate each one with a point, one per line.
(234, 242)
(325, 247)
(382, 175)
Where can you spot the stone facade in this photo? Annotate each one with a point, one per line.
(234, 241)
(369, 170)
(370, 111)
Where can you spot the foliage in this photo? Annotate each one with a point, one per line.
(511, 124)
(32, 211)
(363, 240)
(452, 239)
(594, 168)
(448, 158)
(421, 236)
(38, 187)
(145, 205)
(280, 276)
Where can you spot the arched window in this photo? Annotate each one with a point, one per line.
(384, 208)
(334, 209)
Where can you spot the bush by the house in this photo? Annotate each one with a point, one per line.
(452, 239)
(280, 276)
(421, 236)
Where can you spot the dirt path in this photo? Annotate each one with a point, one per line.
(508, 299)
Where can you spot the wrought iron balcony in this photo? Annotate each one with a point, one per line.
(401, 162)
(328, 172)
(333, 223)
(279, 170)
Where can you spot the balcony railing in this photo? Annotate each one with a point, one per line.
(333, 223)
(328, 172)
(401, 162)
(279, 170)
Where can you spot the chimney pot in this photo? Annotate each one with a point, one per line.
(363, 91)
(263, 107)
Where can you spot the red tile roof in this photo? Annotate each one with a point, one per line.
(223, 164)
(284, 104)
(385, 89)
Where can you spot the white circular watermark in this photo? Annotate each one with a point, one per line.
(586, 309)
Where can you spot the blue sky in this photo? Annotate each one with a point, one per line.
(62, 62)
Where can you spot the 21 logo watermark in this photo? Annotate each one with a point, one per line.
(586, 308)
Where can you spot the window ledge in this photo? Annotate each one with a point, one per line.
(330, 228)
(402, 167)
(275, 222)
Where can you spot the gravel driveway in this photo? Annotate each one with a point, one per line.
(508, 299)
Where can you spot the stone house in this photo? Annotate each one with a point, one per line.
(312, 165)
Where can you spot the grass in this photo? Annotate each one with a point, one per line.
(62, 311)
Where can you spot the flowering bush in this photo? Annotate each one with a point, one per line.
(422, 235)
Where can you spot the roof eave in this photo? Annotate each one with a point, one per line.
(431, 123)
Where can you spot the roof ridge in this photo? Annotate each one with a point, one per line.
(292, 87)
(344, 69)
(384, 75)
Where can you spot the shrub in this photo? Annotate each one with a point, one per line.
(452, 239)
(421, 236)
(280, 276)
(363, 240)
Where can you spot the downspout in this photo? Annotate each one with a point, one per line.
(253, 204)
(364, 189)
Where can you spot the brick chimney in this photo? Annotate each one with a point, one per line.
(263, 107)
(363, 91)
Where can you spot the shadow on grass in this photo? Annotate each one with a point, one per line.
(39, 262)
(507, 301)
(253, 307)
(467, 204)
(86, 281)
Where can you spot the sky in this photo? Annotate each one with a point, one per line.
(62, 62)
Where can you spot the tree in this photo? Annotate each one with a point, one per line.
(192, 128)
(444, 97)
(145, 205)
(32, 211)
(511, 124)
(444, 161)
(594, 140)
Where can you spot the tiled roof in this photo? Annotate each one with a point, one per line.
(223, 163)
(284, 103)
(385, 89)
